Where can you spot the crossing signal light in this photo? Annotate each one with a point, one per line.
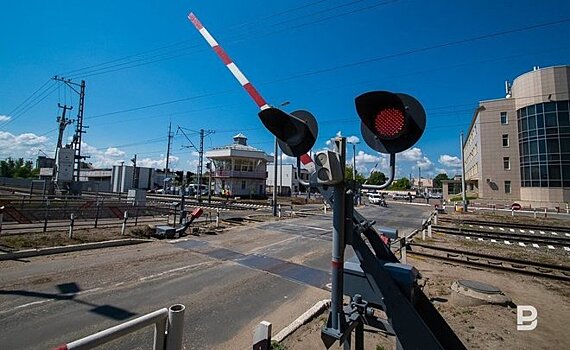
(296, 132)
(391, 122)
(328, 168)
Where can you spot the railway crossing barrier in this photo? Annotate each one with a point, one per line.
(168, 330)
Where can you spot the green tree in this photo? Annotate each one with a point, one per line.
(17, 168)
(401, 184)
(376, 178)
(437, 180)
(348, 175)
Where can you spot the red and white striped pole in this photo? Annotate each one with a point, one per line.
(253, 93)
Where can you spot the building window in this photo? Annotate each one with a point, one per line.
(507, 187)
(504, 118)
(505, 140)
(506, 163)
(243, 185)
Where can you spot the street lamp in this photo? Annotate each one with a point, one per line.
(276, 150)
(354, 158)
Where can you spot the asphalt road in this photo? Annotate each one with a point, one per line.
(228, 282)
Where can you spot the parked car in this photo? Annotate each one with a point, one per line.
(435, 196)
(374, 198)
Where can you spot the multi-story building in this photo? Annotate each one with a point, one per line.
(287, 179)
(518, 147)
(239, 168)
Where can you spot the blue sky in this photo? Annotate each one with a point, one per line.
(145, 66)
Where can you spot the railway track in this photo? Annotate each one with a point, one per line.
(536, 239)
(452, 255)
(506, 225)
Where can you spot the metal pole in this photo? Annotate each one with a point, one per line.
(338, 237)
(97, 213)
(280, 173)
(175, 327)
(463, 175)
(275, 179)
(46, 215)
(210, 184)
(354, 161)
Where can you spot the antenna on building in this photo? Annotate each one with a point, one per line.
(508, 89)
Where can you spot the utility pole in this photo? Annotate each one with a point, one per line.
(419, 179)
(203, 133)
(62, 123)
(135, 179)
(354, 159)
(463, 174)
(168, 147)
(79, 129)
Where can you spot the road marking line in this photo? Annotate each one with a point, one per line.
(311, 227)
(49, 300)
(275, 243)
(174, 270)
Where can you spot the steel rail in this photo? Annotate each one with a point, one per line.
(495, 262)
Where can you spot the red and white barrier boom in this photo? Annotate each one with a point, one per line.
(245, 83)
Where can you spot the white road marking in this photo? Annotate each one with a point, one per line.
(479, 239)
(554, 233)
(174, 270)
(491, 228)
(39, 302)
(481, 226)
(508, 243)
(467, 237)
(535, 245)
(550, 247)
(311, 227)
(567, 234)
(521, 230)
(542, 232)
(512, 229)
(494, 240)
(531, 231)
(567, 249)
(522, 244)
(502, 229)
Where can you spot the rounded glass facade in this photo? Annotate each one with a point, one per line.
(544, 144)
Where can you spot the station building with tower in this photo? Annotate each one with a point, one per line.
(518, 147)
(239, 168)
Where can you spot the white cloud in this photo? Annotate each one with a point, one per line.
(413, 154)
(449, 161)
(114, 152)
(349, 139)
(23, 145)
(159, 163)
(4, 118)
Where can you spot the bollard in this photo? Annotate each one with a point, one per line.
(1, 217)
(423, 234)
(217, 217)
(429, 230)
(545, 215)
(292, 212)
(403, 253)
(512, 212)
(535, 213)
(567, 208)
(262, 336)
(175, 334)
(279, 211)
(125, 217)
(71, 222)
(435, 218)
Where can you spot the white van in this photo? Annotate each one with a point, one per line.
(374, 198)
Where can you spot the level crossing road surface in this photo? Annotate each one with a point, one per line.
(228, 282)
